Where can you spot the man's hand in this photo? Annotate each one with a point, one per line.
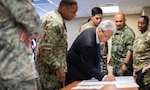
(23, 35)
(109, 77)
(124, 68)
(61, 76)
(146, 68)
(109, 61)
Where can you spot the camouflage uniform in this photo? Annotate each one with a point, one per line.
(51, 50)
(90, 24)
(104, 47)
(104, 53)
(122, 41)
(141, 55)
(16, 66)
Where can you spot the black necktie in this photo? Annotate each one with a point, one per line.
(99, 57)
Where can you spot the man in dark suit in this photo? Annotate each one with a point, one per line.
(82, 57)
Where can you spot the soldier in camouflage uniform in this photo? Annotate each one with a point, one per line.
(17, 71)
(52, 47)
(121, 51)
(141, 52)
(95, 19)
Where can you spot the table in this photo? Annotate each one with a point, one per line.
(106, 87)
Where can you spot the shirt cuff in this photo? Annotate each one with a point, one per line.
(104, 78)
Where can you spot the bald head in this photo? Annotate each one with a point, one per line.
(119, 19)
(120, 14)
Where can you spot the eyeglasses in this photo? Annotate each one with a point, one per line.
(107, 37)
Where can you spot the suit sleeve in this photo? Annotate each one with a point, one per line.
(88, 62)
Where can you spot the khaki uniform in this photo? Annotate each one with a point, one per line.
(90, 24)
(51, 50)
(104, 47)
(141, 54)
(122, 41)
(16, 64)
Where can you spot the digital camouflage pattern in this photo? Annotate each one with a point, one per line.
(51, 50)
(15, 56)
(24, 85)
(141, 54)
(122, 41)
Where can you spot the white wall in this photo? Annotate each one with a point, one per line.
(146, 11)
(73, 28)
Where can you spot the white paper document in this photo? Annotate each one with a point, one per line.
(95, 83)
(120, 82)
(124, 79)
(121, 79)
(125, 82)
(87, 87)
(126, 85)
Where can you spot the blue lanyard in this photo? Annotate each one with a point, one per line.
(99, 57)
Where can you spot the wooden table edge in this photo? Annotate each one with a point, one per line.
(68, 87)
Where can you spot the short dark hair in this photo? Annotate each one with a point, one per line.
(96, 10)
(146, 19)
(68, 2)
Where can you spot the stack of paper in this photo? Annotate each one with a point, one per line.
(125, 82)
(126, 85)
(81, 87)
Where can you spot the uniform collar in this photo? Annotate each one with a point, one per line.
(56, 11)
(92, 23)
(124, 28)
(143, 34)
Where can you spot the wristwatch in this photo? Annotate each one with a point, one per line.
(127, 65)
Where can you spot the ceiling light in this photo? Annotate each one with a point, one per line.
(109, 8)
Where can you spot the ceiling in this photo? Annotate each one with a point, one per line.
(85, 6)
